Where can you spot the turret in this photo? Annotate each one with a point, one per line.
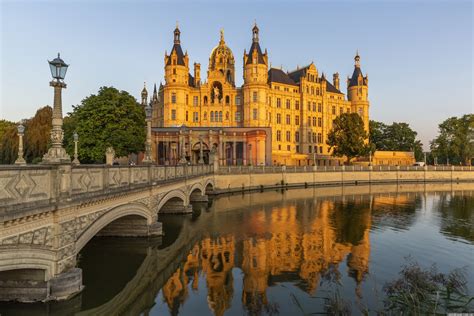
(144, 95)
(335, 80)
(358, 92)
(177, 63)
(255, 83)
(154, 98)
(197, 74)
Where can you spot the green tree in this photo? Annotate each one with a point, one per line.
(9, 145)
(37, 134)
(4, 125)
(347, 138)
(110, 118)
(455, 140)
(395, 137)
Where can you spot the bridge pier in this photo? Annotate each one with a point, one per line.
(199, 198)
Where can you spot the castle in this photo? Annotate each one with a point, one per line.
(275, 117)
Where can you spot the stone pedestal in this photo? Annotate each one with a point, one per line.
(65, 285)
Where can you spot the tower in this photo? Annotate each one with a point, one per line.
(144, 95)
(358, 92)
(175, 96)
(255, 86)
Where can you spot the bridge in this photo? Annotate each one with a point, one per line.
(49, 212)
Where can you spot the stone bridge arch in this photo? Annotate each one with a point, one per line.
(131, 219)
(209, 186)
(197, 193)
(175, 201)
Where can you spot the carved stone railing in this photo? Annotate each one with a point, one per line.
(38, 186)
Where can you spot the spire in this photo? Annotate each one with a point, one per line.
(155, 93)
(144, 94)
(255, 32)
(357, 59)
(177, 33)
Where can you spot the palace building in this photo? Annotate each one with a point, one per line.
(275, 117)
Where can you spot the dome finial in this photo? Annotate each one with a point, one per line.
(222, 36)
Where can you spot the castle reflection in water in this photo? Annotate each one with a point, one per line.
(279, 243)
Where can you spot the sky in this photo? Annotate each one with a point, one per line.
(418, 54)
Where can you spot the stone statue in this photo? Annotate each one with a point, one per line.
(216, 94)
(109, 156)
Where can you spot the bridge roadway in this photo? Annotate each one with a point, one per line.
(49, 213)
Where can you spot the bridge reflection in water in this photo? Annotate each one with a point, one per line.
(246, 253)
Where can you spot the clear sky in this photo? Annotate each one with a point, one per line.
(418, 54)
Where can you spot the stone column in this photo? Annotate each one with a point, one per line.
(244, 152)
(57, 154)
(20, 160)
(234, 152)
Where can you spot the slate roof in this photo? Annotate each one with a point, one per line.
(278, 75)
(355, 75)
(260, 59)
(190, 80)
(331, 88)
(297, 74)
(179, 52)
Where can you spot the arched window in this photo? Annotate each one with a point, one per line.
(220, 116)
(312, 90)
(205, 100)
(212, 116)
(227, 100)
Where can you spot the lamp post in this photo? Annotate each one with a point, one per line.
(147, 159)
(20, 160)
(76, 140)
(57, 154)
(201, 155)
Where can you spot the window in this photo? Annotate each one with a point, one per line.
(227, 100)
(297, 136)
(320, 149)
(320, 138)
(309, 120)
(205, 116)
(320, 122)
(288, 147)
(255, 114)
(309, 106)
(314, 138)
(237, 116)
(173, 97)
(297, 120)
(278, 103)
(278, 118)
(255, 96)
(288, 119)
(333, 110)
(220, 116)
(187, 117)
(205, 100)
(314, 106)
(173, 115)
(237, 100)
(297, 148)
(288, 136)
(195, 117)
(312, 90)
(279, 147)
(314, 121)
(297, 105)
(309, 136)
(360, 111)
(307, 89)
(212, 116)
(320, 107)
(341, 110)
(187, 99)
(288, 104)
(310, 149)
(227, 116)
(279, 136)
(317, 91)
(195, 100)
(174, 71)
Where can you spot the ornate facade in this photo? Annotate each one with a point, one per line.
(275, 117)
